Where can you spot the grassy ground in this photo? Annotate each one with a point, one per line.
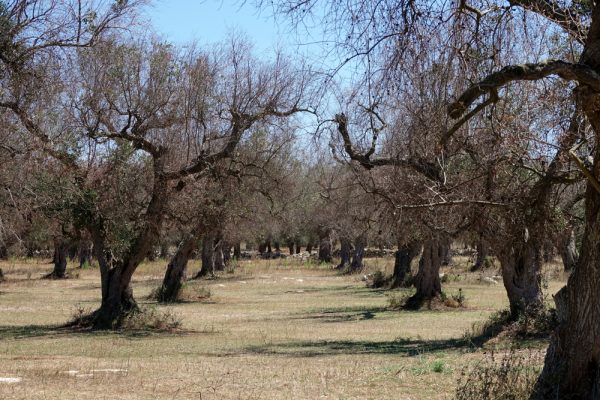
(271, 330)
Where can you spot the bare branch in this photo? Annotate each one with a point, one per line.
(568, 19)
(580, 73)
(422, 166)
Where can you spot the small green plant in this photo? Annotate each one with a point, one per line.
(438, 366)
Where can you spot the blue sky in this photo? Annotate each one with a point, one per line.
(210, 21)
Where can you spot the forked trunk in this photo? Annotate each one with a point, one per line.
(177, 270)
(404, 256)
(345, 253)
(117, 300)
(427, 281)
(522, 275)
(358, 254)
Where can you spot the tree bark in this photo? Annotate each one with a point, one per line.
(522, 276)
(568, 250)
(325, 247)
(345, 253)
(61, 248)
(572, 365)
(208, 256)
(356, 264)
(298, 248)
(177, 270)
(427, 281)
(482, 254)
(404, 256)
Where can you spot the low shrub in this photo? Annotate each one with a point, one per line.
(508, 376)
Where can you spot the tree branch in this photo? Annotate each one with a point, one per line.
(566, 18)
(422, 166)
(580, 73)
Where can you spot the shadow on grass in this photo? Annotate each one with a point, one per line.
(350, 290)
(342, 314)
(57, 331)
(404, 347)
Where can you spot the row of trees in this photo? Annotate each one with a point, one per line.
(438, 132)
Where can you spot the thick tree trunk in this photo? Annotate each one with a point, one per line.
(427, 281)
(356, 265)
(117, 300)
(572, 369)
(572, 365)
(345, 253)
(568, 250)
(298, 248)
(482, 254)
(522, 275)
(404, 256)
(325, 247)
(208, 256)
(177, 270)
(59, 259)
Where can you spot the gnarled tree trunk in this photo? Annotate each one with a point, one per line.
(482, 254)
(59, 259)
(522, 274)
(177, 270)
(427, 281)
(572, 365)
(208, 256)
(345, 253)
(404, 256)
(356, 265)
(325, 246)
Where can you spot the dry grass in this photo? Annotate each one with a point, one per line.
(272, 330)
